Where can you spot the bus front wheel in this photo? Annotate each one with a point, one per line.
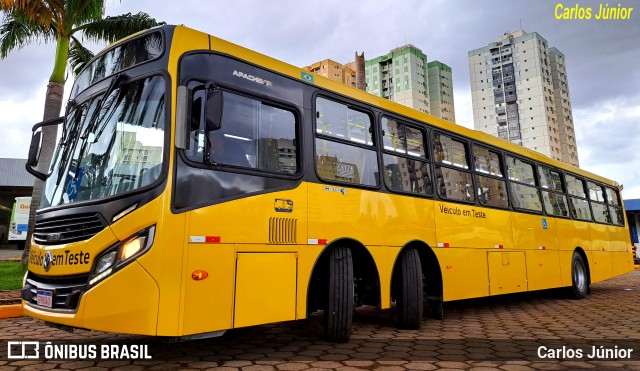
(409, 290)
(579, 277)
(338, 311)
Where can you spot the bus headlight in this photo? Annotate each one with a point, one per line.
(121, 254)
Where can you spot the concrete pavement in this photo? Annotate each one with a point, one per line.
(500, 333)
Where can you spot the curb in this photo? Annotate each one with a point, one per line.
(11, 311)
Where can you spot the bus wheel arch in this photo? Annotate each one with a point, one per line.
(432, 276)
(580, 274)
(366, 279)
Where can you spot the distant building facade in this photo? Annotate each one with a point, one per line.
(405, 76)
(520, 93)
(335, 71)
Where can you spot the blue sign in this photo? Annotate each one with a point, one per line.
(73, 184)
(22, 227)
(544, 223)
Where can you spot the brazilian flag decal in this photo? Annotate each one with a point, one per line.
(307, 77)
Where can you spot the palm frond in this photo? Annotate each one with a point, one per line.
(17, 31)
(80, 12)
(111, 29)
(40, 12)
(79, 56)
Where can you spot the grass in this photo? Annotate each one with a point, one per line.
(11, 275)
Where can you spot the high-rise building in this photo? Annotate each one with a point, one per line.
(520, 93)
(404, 76)
(441, 90)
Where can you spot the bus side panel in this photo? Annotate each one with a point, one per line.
(472, 226)
(208, 303)
(543, 269)
(464, 273)
(534, 232)
(384, 258)
(622, 262)
(571, 235)
(601, 267)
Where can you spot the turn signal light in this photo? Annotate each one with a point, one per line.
(199, 275)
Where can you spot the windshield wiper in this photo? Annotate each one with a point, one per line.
(116, 82)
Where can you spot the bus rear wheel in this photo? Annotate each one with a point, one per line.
(579, 277)
(409, 290)
(338, 311)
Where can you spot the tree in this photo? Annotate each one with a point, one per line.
(67, 23)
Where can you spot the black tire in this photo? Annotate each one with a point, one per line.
(338, 311)
(409, 290)
(579, 277)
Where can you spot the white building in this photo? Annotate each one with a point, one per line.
(520, 93)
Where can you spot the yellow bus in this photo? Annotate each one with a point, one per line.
(199, 186)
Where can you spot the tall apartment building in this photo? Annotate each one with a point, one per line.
(404, 76)
(520, 93)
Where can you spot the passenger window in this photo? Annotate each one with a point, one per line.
(575, 187)
(486, 161)
(448, 151)
(615, 209)
(340, 121)
(579, 208)
(520, 171)
(400, 138)
(595, 192)
(555, 203)
(407, 175)
(524, 194)
(253, 135)
(600, 212)
(453, 179)
(492, 191)
(550, 179)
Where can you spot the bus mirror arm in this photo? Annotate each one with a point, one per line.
(213, 108)
(36, 146)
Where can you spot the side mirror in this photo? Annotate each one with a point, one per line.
(36, 145)
(213, 108)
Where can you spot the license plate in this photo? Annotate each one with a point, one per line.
(44, 298)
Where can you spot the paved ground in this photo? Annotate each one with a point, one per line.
(495, 333)
(8, 254)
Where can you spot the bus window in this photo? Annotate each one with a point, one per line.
(613, 199)
(253, 135)
(524, 194)
(555, 202)
(600, 209)
(550, 179)
(339, 121)
(486, 162)
(492, 191)
(455, 184)
(578, 204)
(408, 172)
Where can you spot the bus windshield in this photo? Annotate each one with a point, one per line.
(110, 147)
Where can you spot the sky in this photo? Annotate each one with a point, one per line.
(602, 57)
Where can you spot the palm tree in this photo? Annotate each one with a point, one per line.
(67, 23)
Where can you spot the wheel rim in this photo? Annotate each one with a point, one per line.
(579, 276)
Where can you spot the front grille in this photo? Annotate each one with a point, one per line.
(282, 230)
(66, 290)
(67, 229)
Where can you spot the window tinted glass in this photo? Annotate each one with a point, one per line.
(579, 208)
(345, 163)
(486, 161)
(617, 215)
(575, 187)
(339, 121)
(454, 184)
(555, 204)
(520, 171)
(596, 192)
(398, 137)
(525, 197)
(600, 212)
(253, 135)
(612, 197)
(492, 191)
(407, 175)
(550, 179)
(449, 151)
